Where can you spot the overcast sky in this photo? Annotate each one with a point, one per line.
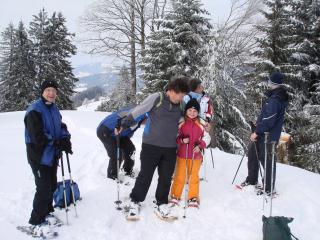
(16, 10)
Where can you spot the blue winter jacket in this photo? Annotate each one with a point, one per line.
(272, 114)
(114, 119)
(195, 95)
(52, 129)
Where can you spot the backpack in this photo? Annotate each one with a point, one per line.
(276, 228)
(161, 100)
(58, 195)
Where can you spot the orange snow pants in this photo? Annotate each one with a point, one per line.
(180, 178)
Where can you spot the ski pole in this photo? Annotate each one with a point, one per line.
(253, 127)
(272, 176)
(238, 167)
(255, 147)
(204, 166)
(188, 184)
(212, 157)
(72, 185)
(118, 202)
(64, 190)
(266, 137)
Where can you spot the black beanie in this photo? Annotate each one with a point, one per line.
(193, 103)
(48, 83)
(276, 78)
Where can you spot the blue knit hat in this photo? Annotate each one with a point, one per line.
(276, 78)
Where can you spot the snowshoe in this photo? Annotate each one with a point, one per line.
(41, 231)
(246, 183)
(53, 220)
(164, 212)
(133, 211)
(268, 193)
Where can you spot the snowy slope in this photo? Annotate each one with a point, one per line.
(224, 214)
(91, 105)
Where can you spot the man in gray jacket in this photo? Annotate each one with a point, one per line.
(158, 144)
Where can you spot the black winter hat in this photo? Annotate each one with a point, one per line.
(276, 78)
(193, 103)
(48, 83)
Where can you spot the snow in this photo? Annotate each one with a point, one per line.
(82, 74)
(225, 213)
(90, 106)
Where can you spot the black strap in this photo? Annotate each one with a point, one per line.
(284, 227)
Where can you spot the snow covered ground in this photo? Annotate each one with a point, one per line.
(92, 105)
(225, 213)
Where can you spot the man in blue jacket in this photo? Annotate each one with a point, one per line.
(270, 120)
(106, 134)
(46, 136)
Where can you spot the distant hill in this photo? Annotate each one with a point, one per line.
(96, 74)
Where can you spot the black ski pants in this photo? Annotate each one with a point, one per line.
(127, 149)
(152, 157)
(45, 178)
(256, 154)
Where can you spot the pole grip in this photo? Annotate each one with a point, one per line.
(266, 137)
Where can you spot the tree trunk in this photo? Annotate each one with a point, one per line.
(143, 25)
(133, 69)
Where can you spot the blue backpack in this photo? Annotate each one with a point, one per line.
(58, 195)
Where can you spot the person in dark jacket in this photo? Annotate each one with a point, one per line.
(46, 136)
(106, 134)
(159, 147)
(270, 120)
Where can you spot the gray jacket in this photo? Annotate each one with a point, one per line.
(162, 124)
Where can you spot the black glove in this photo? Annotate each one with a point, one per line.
(252, 126)
(118, 124)
(64, 144)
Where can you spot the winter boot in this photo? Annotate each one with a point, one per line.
(43, 230)
(268, 193)
(247, 183)
(130, 174)
(193, 202)
(174, 202)
(53, 220)
(164, 212)
(133, 211)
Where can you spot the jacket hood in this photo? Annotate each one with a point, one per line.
(280, 93)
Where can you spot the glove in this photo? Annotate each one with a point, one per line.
(185, 140)
(118, 124)
(196, 149)
(252, 126)
(64, 144)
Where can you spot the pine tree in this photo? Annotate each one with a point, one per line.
(37, 32)
(159, 59)
(273, 46)
(6, 65)
(289, 45)
(19, 84)
(314, 66)
(120, 97)
(53, 48)
(179, 46)
(306, 111)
